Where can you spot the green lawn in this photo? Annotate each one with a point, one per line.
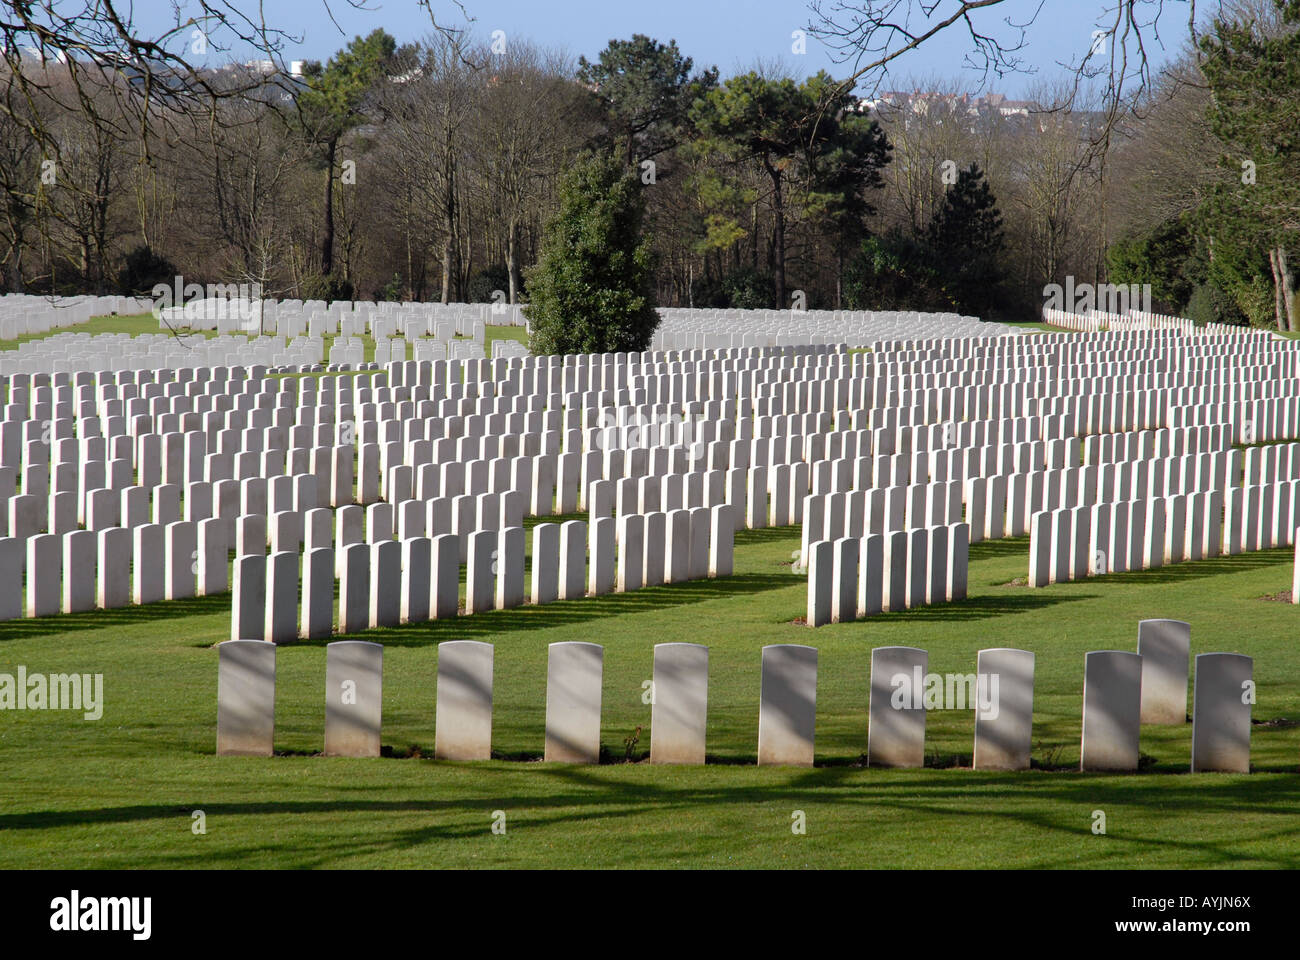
(134, 324)
(120, 792)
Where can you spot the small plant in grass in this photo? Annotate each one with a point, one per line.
(1051, 756)
(629, 743)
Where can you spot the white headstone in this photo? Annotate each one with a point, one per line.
(1166, 648)
(463, 718)
(245, 698)
(787, 710)
(573, 696)
(1112, 703)
(1221, 713)
(896, 708)
(354, 671)
(1004, 709)
(679, 708)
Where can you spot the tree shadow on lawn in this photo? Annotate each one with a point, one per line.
(1182, 570)
(651, 599)
(528, 617)
(1043, 801)
(978, 608)
(561, 613)
(1199, 569)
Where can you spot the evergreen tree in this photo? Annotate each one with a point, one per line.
(893, 271)
(816, 154)
(142, 270)
(647, 89)
(1165, 256)
(1253, 76)
(330, 105)
(592, 290)
(965, 242)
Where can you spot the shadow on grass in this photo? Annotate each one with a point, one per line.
(530, 617)
(975, 608)
(1002, 547)
(562, 613)
(25, 628)
(557, 518)
(746, 537)
(1198, 569)
(927, 799)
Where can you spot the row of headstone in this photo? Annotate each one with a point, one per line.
(1096, 320)
(333, 480)
(386, 582)
(809, 453)
(853, 577)
(25, 314)
(372, 460)
(84, 570)
(521, 375)
(1070, 544)
(686, 327)
(85, 353)
(557, 358)
(182, 558)
(1121, 691)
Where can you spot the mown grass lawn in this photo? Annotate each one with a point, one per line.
(121, 792)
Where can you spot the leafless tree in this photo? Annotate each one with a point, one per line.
(531, 117)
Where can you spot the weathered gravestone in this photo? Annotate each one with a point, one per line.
(679, 708)
(1112, 708)
(1004, 732)
(354, 671)
(896, 708)
(573, 693)
(1165, 647)
(463, 716)
(281, 597)
(245, 698)
(317, 593)
(787, 710)
(821, 581)
(1221, 713)
(248, 598)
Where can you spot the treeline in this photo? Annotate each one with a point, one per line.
(430, 171)
(1208, 211)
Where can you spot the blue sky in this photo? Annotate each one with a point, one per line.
(730, 34)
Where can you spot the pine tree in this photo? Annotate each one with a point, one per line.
(329, 106)
(965, 242)
(592, 290)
